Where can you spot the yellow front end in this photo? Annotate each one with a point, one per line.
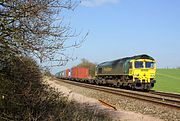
(143, 72)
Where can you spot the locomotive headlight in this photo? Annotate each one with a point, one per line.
(152, 76)
(136, 74)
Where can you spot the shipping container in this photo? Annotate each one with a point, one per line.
(63, 74)
(67, 73)
(57, 74)
(79, 72)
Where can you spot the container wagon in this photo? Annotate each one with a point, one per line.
(79, 73)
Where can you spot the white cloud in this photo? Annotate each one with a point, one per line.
(95, 3)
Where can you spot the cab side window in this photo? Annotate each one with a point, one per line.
(130, 65)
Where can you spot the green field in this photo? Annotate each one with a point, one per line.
(168, 80)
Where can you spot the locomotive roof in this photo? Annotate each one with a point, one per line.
(143, 56)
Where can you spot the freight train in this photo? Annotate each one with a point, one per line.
(137, 72)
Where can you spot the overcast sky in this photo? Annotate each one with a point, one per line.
(121, 28)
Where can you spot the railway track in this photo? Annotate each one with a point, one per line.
(161, 98)
(167, 94)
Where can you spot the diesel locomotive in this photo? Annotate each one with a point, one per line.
(137, 72)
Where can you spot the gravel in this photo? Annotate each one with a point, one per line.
(128, 105)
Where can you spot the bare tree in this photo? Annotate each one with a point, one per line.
(35, 28)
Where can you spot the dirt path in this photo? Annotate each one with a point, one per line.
(118, 115)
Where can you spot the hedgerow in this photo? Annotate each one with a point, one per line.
(23, 96)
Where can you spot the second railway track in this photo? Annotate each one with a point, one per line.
(167, 94)
(161, 98)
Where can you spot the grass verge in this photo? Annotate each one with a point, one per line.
(168, 80)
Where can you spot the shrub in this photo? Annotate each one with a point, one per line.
(19, 87)
(23, 96)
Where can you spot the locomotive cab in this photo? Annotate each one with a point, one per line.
(143, 73)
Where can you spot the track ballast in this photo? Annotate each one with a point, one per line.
(161, 98)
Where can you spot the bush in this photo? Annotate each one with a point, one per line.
(23, 96)
(19, 88)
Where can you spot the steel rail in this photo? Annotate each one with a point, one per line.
(154, 98)
(167, 94)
